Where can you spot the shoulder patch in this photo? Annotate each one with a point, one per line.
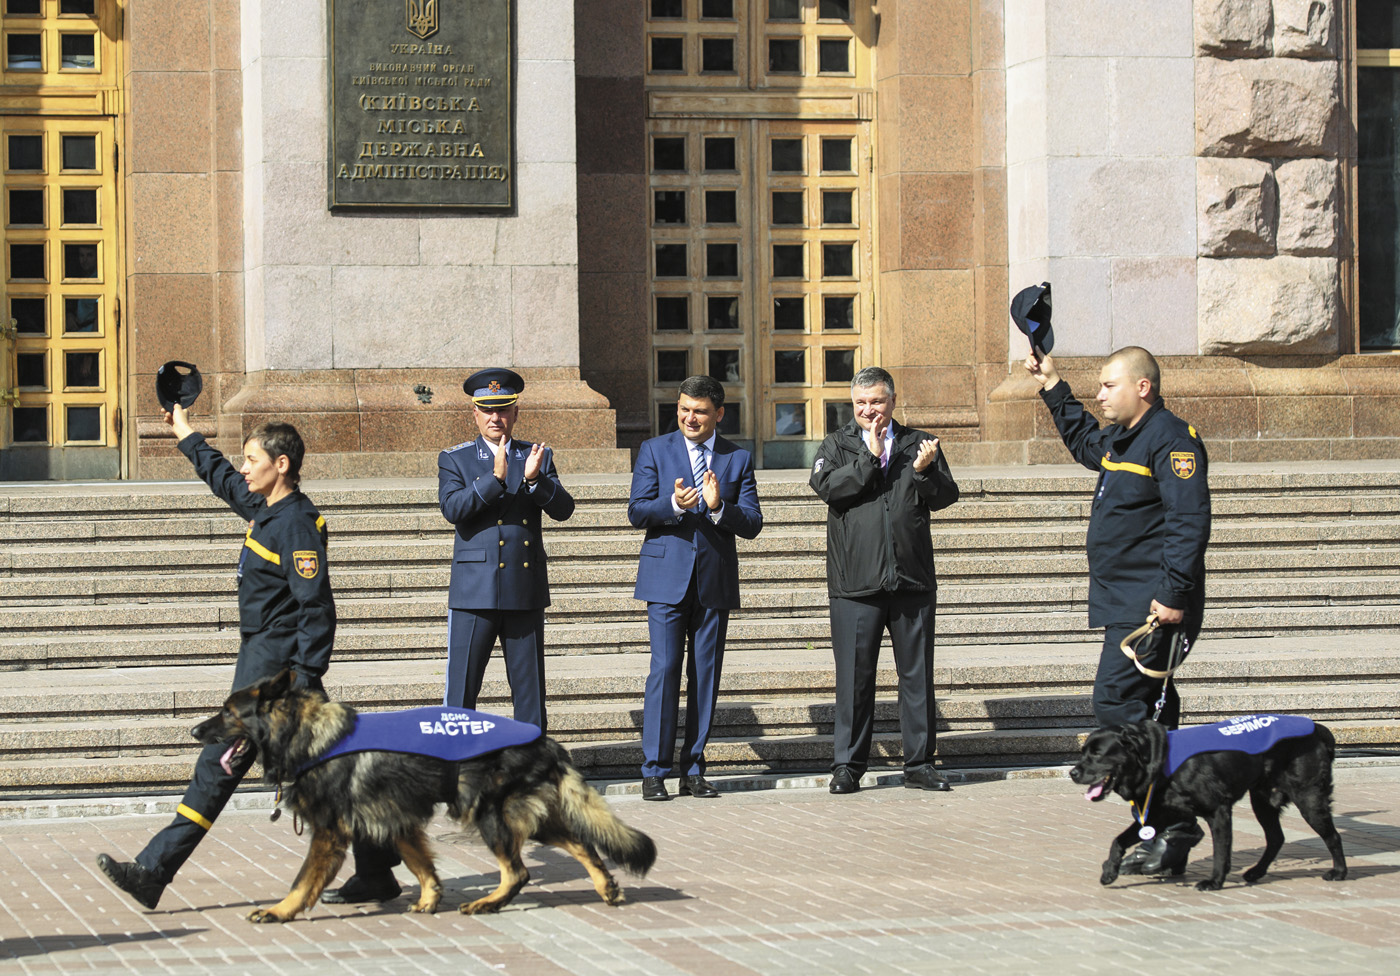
(1193, 432)
(456, 447)
(1183, 464)
(818, 466)
(307, 563)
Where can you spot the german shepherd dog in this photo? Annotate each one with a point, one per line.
(1127, 760)
(527, 792)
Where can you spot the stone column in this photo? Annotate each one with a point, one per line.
(349, 315)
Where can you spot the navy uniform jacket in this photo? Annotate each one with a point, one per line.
(1150, 520)
(679, 546)
(498, 560)
(286, 613)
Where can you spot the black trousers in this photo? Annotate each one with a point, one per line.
(1122, 693)
(857, 628)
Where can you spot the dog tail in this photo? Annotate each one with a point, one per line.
(594, 821)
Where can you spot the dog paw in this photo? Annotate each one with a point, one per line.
(263, 915)
(614, 896)
(424, 907)
(480, 907)
(1209, 884)
(1335, 874)
(1254, 874)
(1108, 877)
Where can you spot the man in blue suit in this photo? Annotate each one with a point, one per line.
(496, 491)
(694, 492)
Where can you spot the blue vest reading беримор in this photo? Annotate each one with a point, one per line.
(1253, 734)
(450, 734)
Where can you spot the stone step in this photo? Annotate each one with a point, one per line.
(148, 585)
(1004, 551)
(1014, 669)
(219, 526)
(220, 640)
(620, 759)
(398, 608)
(739, 716)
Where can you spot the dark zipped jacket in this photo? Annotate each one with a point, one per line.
(1150, 519)
(877, 520)
(286, 613)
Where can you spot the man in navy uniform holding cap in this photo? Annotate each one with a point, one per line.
(496, 491)
(1148, 526)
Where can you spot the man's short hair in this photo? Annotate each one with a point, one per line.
(703, 388)
(873, 376)
(1140, 365)
(277, 439)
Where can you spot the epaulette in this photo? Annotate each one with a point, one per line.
(458, 447)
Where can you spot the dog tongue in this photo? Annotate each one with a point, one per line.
(229, 754)
(1094, 792)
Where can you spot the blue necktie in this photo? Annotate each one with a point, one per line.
(699, 473)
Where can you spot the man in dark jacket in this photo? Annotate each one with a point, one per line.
(286, 615)
(880, 480)
(1149, 524)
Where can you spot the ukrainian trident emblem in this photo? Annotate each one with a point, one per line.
(422, 17)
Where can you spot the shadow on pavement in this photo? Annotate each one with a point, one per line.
(47, 944)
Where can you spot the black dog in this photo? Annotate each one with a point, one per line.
(1130, 759)
(521, 793)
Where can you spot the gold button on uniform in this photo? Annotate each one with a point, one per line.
(527, 565)
(501, 543)
(499, 522)
(503, 565)
(527, 542)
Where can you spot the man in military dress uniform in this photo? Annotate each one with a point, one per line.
(286, 615)
(496, 491)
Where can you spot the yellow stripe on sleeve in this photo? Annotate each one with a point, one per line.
(190, 814)
(1125, 466)
(262, 550)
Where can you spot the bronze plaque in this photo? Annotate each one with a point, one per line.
(420, 104)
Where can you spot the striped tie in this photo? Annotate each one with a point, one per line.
(699, 473)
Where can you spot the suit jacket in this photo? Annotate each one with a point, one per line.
(679, 546)
(498, 560)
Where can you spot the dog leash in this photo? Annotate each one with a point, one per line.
(1129, 646)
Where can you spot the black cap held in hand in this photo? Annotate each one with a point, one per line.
(173, 386)
(1030, 310)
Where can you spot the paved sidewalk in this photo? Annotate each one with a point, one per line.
(996, 877)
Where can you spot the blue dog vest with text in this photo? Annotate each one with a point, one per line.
(1253, 734)
(451, 734)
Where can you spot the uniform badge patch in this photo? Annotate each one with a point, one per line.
(1183, 464)
(818, 466)
(307, 563)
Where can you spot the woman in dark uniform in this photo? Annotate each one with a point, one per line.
(286, 616)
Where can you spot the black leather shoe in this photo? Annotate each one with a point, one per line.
(654, 788)
(844, 781)
(132, 878)
(696, 786)
(925, 778)
(359, 890)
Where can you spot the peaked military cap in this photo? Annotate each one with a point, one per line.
(497, 387)
(173, 386)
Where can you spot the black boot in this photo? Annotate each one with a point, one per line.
(357, 890)
(1165, 853)
(133, 879)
